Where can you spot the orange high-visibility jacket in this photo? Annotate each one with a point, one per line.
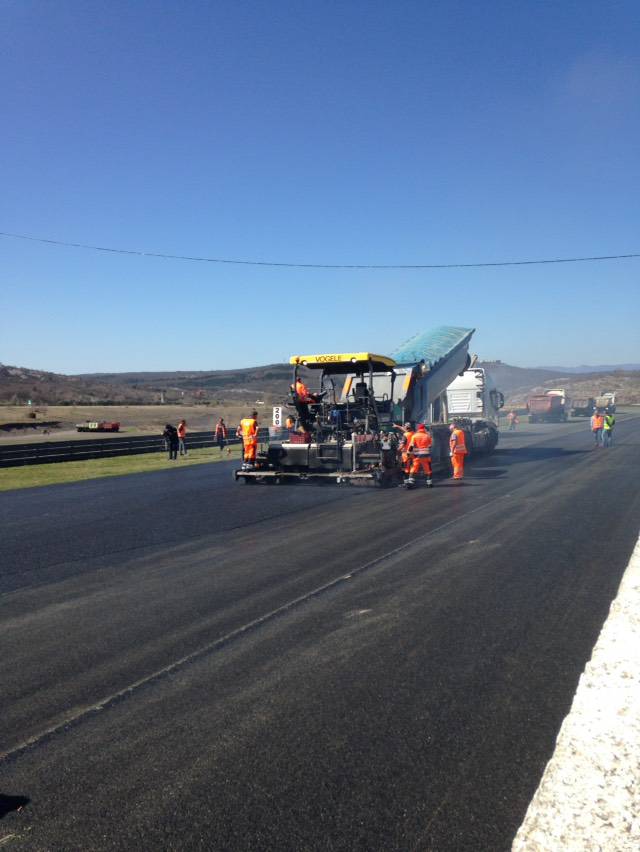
(302, 391)
(457, 442)
(249, 429)
(597, 422)
(182, 430)
(406, 439)
(420, 443)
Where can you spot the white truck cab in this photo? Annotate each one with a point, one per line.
(474, 395)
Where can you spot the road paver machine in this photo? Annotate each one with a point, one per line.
(343, 431)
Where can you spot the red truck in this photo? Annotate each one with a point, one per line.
(549, 407)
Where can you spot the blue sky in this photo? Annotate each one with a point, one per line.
(334, 132)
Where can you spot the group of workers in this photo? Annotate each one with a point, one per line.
(602, 428)
(415, 453)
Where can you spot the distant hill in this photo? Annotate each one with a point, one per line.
(515, 381)
(20, 384)
(598, 368)
(268, 383)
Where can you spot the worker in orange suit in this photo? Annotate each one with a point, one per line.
(597, 425)
(303, 393)
(407, 435)
(302, 397)
(419, 452)
(249, 430)
(457, 450)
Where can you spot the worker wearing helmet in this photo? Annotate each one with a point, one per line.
(457, 450)
(249, 431)
(419, 451)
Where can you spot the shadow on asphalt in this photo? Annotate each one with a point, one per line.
(529, 454)
(485, 472)
(12, 803)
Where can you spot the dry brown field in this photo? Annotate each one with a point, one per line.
(133, 419)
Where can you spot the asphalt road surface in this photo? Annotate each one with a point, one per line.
(194, 664)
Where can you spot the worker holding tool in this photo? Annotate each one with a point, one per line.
(419, 452)
(457, 450)
(248, 428)
(597, 425)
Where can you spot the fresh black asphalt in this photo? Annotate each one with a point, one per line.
(189, 663)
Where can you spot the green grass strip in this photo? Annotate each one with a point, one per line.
(32, 476)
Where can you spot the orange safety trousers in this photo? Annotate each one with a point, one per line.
(250, 448)
(457, 460)
(421, 463)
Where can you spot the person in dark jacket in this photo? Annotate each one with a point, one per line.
(171, 441)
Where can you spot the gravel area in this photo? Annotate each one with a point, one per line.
(589, 796)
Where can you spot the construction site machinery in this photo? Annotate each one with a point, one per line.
(351, 429)
(342, 436)
(548, 407)
(583, 407)
(473, 395)
(606, 403)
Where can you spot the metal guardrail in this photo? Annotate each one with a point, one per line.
(47, 452)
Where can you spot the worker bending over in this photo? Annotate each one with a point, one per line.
(249, 430)
(419, 452)
(457, 450)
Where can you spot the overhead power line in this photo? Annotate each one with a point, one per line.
(289, 265)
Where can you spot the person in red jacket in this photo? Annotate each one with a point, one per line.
(419, 453)
(182, 434)
(457, 450)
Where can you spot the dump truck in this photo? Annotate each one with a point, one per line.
(583, 406)
(548, 407)
(606, 403)
(349, 433)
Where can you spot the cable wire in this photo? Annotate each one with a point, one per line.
(288, 265)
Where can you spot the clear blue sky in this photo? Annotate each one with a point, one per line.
(332, 132)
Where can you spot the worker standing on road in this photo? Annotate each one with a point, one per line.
(597, 425)
(607, 429)
(249, 431)
(512, 417)
(221, 433)
(419, 451)
(407, 434)
(457, 450)
(182, 434)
